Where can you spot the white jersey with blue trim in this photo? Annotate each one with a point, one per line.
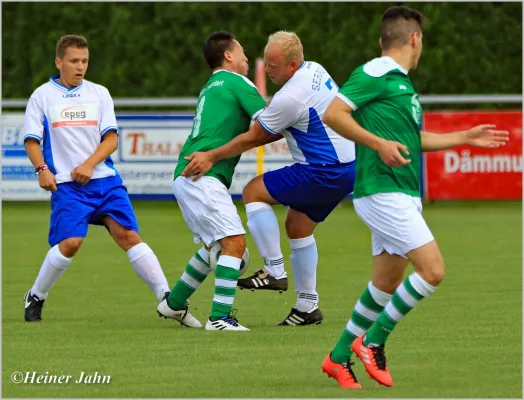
(296, 111)
(71, 122)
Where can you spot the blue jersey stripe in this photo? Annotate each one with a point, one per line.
(315, 143)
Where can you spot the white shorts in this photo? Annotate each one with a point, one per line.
(207, 208)
(396, 222)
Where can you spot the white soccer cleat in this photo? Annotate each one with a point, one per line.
(225, 324)
(183, 315)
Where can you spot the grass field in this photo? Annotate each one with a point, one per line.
(464, 341)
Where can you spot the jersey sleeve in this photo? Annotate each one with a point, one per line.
(107, 115)
(282, 113)
(249, 98)
(360, 89)
(34, 119)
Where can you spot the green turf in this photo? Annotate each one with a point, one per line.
(464, 341)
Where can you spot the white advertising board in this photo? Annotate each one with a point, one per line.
(149, 146)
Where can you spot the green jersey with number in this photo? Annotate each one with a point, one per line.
(385, 103)
(225, 107)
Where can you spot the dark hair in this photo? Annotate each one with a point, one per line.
(397, 25)
(67, 41)
(214, 47)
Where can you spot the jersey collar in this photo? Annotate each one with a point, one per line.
(64, 88)
(299, 68)
(225, 70)
(396, 64)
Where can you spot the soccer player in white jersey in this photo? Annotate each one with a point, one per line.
(322, 176)
(76, 122)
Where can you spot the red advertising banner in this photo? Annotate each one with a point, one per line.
(467, 173)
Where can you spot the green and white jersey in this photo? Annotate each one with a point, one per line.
(225, 108)
(385, 103)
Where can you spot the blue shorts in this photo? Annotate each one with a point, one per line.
(74, 207)
(314, 190)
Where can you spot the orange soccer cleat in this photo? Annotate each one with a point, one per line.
(341, 372)
(374, 360)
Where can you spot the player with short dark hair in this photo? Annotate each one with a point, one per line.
(226, 106)
(379, 109)
(75, 121)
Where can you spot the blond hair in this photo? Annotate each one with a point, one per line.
(289, 43)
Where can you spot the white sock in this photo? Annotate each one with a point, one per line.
(407, 295)
(204, 254)
(380, 297)
(52, 268)
(304, 259)
(148, 268)
(263, 225)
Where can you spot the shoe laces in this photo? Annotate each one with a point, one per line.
(232, 317)
(347, 366)
(230, 321)
(380, 356)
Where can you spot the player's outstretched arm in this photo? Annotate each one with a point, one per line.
(272, 139)
(480, 136)
(338, 117)
(82, 173)
(46, 179)
(201, 162)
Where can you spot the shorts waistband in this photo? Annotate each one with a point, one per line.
(341, 165)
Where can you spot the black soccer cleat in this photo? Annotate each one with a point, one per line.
(301, 318)
(33, 307)
(261, 280)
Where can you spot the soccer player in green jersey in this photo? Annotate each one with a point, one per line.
(378, 108)
(226, 106)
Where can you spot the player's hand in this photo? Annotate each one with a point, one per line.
(486, 136)
(47, 180)
(390, 153)
(82, 173)
(199, 164)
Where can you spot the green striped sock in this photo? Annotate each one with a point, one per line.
(196, 271)
(366, 311)
(406, 297)
(226, 277)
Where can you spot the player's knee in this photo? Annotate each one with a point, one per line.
(437, 274)
(387, 284)
(252, 192)
(298, 227)
(127, 239)
(233, 246)
(434, 272)
(248, 194)
(290, 226)
(69, 247)
(295, 230)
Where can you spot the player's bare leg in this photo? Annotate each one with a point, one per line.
(141, 256)
(58, 258)
(429, 272)
(388, 271)
(304, 260)
(226, 277)
(263, 226)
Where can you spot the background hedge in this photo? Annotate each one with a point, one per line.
(154, 49)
